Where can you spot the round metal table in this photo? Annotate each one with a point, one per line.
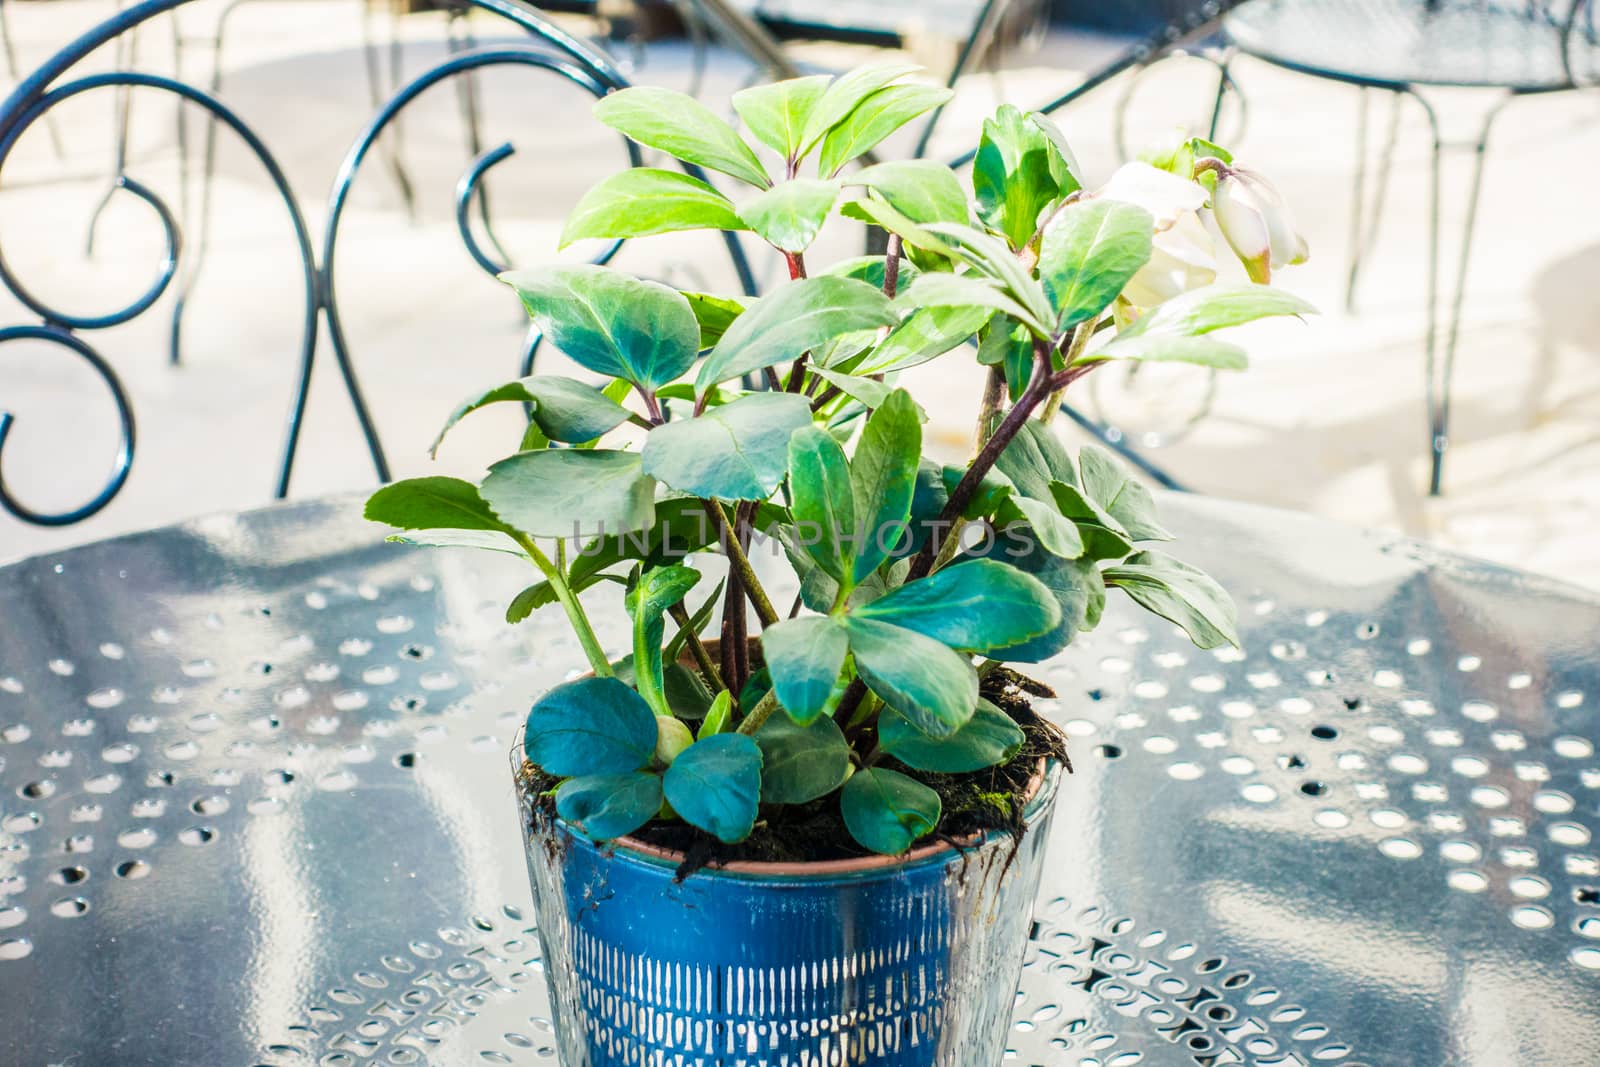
(254, 808)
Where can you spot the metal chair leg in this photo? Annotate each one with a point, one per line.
(1364, 220)
(378, 94)
(14, 73)
(126, 58)
(458, 37)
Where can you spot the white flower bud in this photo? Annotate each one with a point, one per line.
(1256, 224)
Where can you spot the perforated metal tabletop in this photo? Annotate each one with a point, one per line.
(254, 809)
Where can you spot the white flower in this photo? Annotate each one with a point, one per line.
(1182, 257)
(1256, 223)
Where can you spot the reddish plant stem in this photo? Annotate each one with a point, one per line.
(797, 265)
(797, 373)
(653, 406)
(773, 382)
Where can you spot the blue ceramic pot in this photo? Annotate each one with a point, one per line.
(904, 962)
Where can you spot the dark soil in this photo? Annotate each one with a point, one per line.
(992, 799)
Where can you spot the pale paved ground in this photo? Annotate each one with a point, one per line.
(1329, 420)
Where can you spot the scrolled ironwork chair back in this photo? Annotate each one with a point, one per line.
(549, 49)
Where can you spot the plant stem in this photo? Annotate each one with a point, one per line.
(702, 658)
(994, 391)
(569, 602)
(741, 565)
(1080, 341)
(653, 406)
(797, 265)
(797, 373)
(891, 266)
(774, 383)
(760, 713)
(1039, 386)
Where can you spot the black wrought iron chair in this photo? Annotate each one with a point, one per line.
(547, 49)
(1405, 47)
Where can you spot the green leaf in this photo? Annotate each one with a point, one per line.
(570, 492)
(801, 763)
(882, 213)
(672, 737)
(1075, 583)
(610, 322)
(1035, 458)
(923, 679)
(790, 215)
(432, 503)
(698, 621)
(874, 119)
(738, 451)
(920, 189)
(682, 126)
(883, 478)
(718, 717)
(990, 738)
(776, 114)
(484, 540)
(823, 503)
(647, 601)
(1180, 593)
(1160, 348)
(1124, 498)
(923, 335)
(1103, 536)
(869, 269)
(590, 726)
(1058, 534)
(714, 313)
(608, 806)
(687, 694)
(804, 657)
(867, 392)
(792, 320)
(845, 94)
(993, 491)
(968, 291)
(643, 200)
(564, 409)
(680, 527)
(1215, 307)
(715, 784)
(886, 811)
(1089, 252)
(540, 594)
(991, 256)
(977, 606)
(1020, 169)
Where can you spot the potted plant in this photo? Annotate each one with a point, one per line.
(811, 833)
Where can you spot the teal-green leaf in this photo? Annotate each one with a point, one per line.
(1124, 498)
(845, 94)
(923, 679)
(823, 502)
(989, 738)
(715, 784)
(990, 256)
(1035, 458)
(1058, 534)
(776, 114)
(432, 503)
(590, 726)
(1020, 169)
(738, 451)
(790, 215)
(920, 189)
(564, 409)
(804, 657)
(869, 269)
(571, 493)
(608, 806)
(682, 126)
(888, 812)
(801, 763)
(642, 201)
(1180, 593)
(792, 320)
(1216, 307)
(883, 479)
(1089, 252)
(1076, 584)
(978, 605)
(868, 392)
(610, 322)
(874, 119)
(483, 540)
(1103, 536)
